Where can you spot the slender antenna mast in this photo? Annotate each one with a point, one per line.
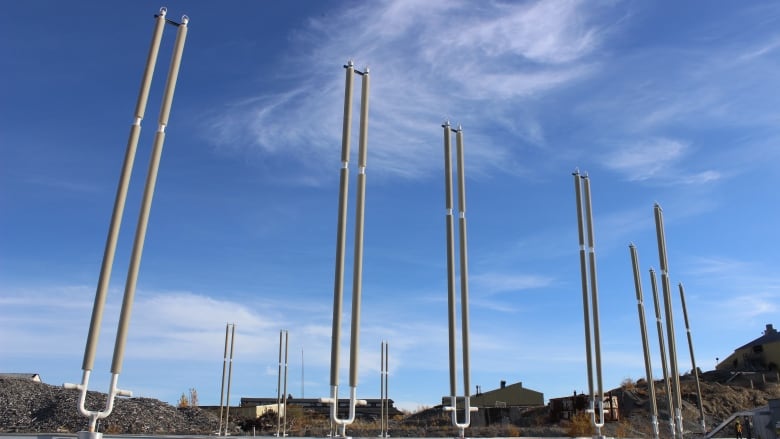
(645, 345)
(464, 287)
(357, 272)
(659, 226)
(116, 219)
(591, 318)
(693, 360)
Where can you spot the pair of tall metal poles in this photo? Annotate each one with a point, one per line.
(281, 395)
(674, 397)
(116, 219)
(230, 336)
(357, 271)
(384, 411)
(590, 305)
(464, 285)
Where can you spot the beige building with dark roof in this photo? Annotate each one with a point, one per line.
(762, 353)
(513, 395)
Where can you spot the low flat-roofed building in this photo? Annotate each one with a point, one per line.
(372, 409)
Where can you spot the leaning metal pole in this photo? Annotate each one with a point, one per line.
(464, 291)
(693, 360)
(357, 272)
(645, 345)
(662, 257)
(662, 348)
(230, 377)
(108, 257)
(222, 383)
(585, 224)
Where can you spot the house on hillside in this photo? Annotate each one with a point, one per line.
(762, 353)
(23, 376)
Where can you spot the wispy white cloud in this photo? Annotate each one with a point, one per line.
(645, 160)
(658, 159)
(427, 64)
(491, 283)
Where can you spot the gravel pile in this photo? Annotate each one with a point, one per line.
(29, 406)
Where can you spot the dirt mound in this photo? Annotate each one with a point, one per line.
(29, 406)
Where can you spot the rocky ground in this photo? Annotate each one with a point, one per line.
(27, 406)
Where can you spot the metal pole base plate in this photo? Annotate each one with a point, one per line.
(89, 435)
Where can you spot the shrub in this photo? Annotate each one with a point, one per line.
(580, 425)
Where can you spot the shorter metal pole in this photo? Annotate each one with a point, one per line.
(387, 397)
(662, 347)
(382, 390)
(284, 423)
(693, 360)
(670, 333)
(222, 383)
(230, 377)
(645, 344)
(279, 388)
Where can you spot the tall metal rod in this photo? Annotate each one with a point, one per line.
(463, 248)
(451, 297)
(662, 257)
(222, 383)
(286, 345)
(693, 360)
(230, 377)
(146, 202)
(384, 411)
(662, 348)
(595, 306)
(645, 345)
(382, 390)
(109, 252)
(121, 195)
(387, 387)
(588, 273)
(464, 271)
(584, 280)
(357, 272)
(279, 387)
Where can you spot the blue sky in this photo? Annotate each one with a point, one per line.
(657, 101)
